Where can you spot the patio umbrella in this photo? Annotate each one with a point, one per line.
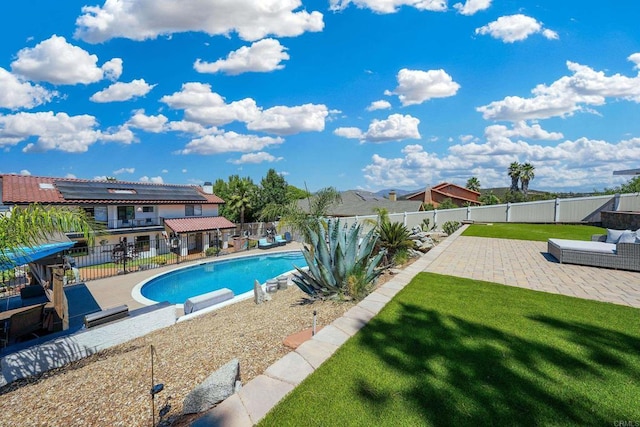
(25, 255)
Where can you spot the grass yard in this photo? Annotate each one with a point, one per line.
(537, 232)
(451, 351)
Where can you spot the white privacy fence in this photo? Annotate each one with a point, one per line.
(575, 210)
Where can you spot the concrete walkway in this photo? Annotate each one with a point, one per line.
(527, 264)
(511, 262)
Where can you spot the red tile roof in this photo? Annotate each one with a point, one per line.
(23, 189)
(185, 225)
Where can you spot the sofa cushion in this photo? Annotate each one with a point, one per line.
(614, 235)
(587, 246)
(627, 237)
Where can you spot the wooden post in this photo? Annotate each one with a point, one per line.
(59, 298)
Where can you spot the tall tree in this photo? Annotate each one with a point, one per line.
(473, 184)
(514, 174)
(33, 224)
(272, 191)
(273, 188)
(526, 175)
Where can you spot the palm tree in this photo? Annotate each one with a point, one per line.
(526, 175)
(473, 184)
(240, 200)
(31, 225)
(514, 174)
(300, 220)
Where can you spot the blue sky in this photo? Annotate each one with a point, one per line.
(366, 94)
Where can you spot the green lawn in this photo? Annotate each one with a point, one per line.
(450, 351)
(538, 232)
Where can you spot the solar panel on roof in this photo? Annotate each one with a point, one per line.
(108, 190)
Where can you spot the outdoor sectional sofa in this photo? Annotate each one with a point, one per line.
(618, 249)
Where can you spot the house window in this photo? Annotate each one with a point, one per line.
(143, 243)
(193, 210)
(90, 211)
(126, 213)
(147, 209)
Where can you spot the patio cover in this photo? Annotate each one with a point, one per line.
(25, 255)
(190, 225)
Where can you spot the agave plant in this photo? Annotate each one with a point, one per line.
(336, 258)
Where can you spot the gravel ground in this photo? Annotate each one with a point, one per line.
(111, 388)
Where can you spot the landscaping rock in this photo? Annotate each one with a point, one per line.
(259, 295)
(213, 390)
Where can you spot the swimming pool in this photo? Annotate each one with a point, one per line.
(237, 274)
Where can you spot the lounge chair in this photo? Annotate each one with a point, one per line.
(280, 241)
(608, 251)
(264, 244)
(24, 322)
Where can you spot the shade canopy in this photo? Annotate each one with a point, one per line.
(25, 255)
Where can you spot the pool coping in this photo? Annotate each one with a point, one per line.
(136, 293)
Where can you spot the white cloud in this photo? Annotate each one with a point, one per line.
(259, 157)
(416, 86)
(379, 105)
(349, 132)
(514, 28)
(202, 106)
(283, 120)
(124, 170)
(520, 130)
(120, 91)
(61, 63)
(550, 34)
(148, 19)
(153, 124)
(25, 172)
(565, 96)
(229, 142)
(120, 134)
(576, 164)
(208, 108)
(635, 58)
(262, 56)
(16, 93)
(152, 179)
(395, 128)
(472, 6)
(390, 6)
(112, 69)
(72, 134)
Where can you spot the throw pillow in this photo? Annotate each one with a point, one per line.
(614, 235)
(627, 236)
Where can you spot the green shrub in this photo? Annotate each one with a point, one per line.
(393, 237)
(401, 257)
(211, 251)
(450, 227)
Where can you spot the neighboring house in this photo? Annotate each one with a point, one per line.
(435, 195)
(361, 203)
(141, 214)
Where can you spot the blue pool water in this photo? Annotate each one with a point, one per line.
(236, 274)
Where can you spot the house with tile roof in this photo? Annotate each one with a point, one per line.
(132, 213)
(435, 195)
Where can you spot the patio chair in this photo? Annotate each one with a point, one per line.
(280, 241)
(22, 324)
